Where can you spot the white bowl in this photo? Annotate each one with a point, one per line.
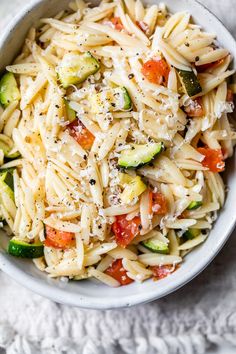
(89, 294)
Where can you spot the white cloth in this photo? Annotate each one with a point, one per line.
(189, 321)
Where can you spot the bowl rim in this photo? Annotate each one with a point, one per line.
(62, 296)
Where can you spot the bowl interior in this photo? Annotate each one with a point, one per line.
(91, 294)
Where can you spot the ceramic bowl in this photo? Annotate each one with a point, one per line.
(89, 294)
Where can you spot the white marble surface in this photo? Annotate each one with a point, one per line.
(208, 302)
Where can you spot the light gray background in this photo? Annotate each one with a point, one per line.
(206, 305)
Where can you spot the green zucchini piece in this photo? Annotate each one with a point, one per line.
(127, 100)
(194, 205)
(70, 113)
(113, 99)
(76, 68)
(139, 155)
(190, 82)
(133, 189)
(13, 154)
(156, 246)
(6, 185)
(9, 91)
(22, 249)
(6, 176)
(6, 144)
(6, 182)
(190, 234)
(2, 219)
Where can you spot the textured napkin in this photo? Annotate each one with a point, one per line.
(200, 316)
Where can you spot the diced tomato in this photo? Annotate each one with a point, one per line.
(126, 230)
(210, 66)
(183, 215)
(156, 71)
(116, 21)
(143, 26)
(81, 134)
(213, 159)
(230, 96)
(59, 239)
(150, 204)
(117, 271)
(159, 204)
(195, 108)
(161, 272)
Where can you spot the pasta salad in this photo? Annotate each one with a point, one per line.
(115, 127)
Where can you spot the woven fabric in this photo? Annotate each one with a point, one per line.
(189, 321)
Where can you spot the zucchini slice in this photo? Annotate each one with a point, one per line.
(9, 91)
(139, 155)
(133, 189)
(22, 249)
(6, 182)
(194, 205)
(127, 100)
(6, 144)
(76, 68)
(156, 246)
(6, 176)
(13, 154)
(190, 82)
(114, 99)
(190, 234)
(69, 112)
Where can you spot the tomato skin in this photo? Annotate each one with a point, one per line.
(143, 26)
(161, 272)
(195, 109)
(116, 21)
(210, 66)
(213, 159)
(159, 204)
(59, 239)
(126, 230)
(81, 134)
(156, 71)
(230, 96)
(117, 271)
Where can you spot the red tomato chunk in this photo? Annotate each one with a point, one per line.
(59, 239)
(161, 272)
(210, 66)
(156, 71)
(143, 26)
(116, 21)
(230, 96)
(117, 271)
(213, 159)
(126, 230)
(195, 109)
(159, 204)
(81, 134)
